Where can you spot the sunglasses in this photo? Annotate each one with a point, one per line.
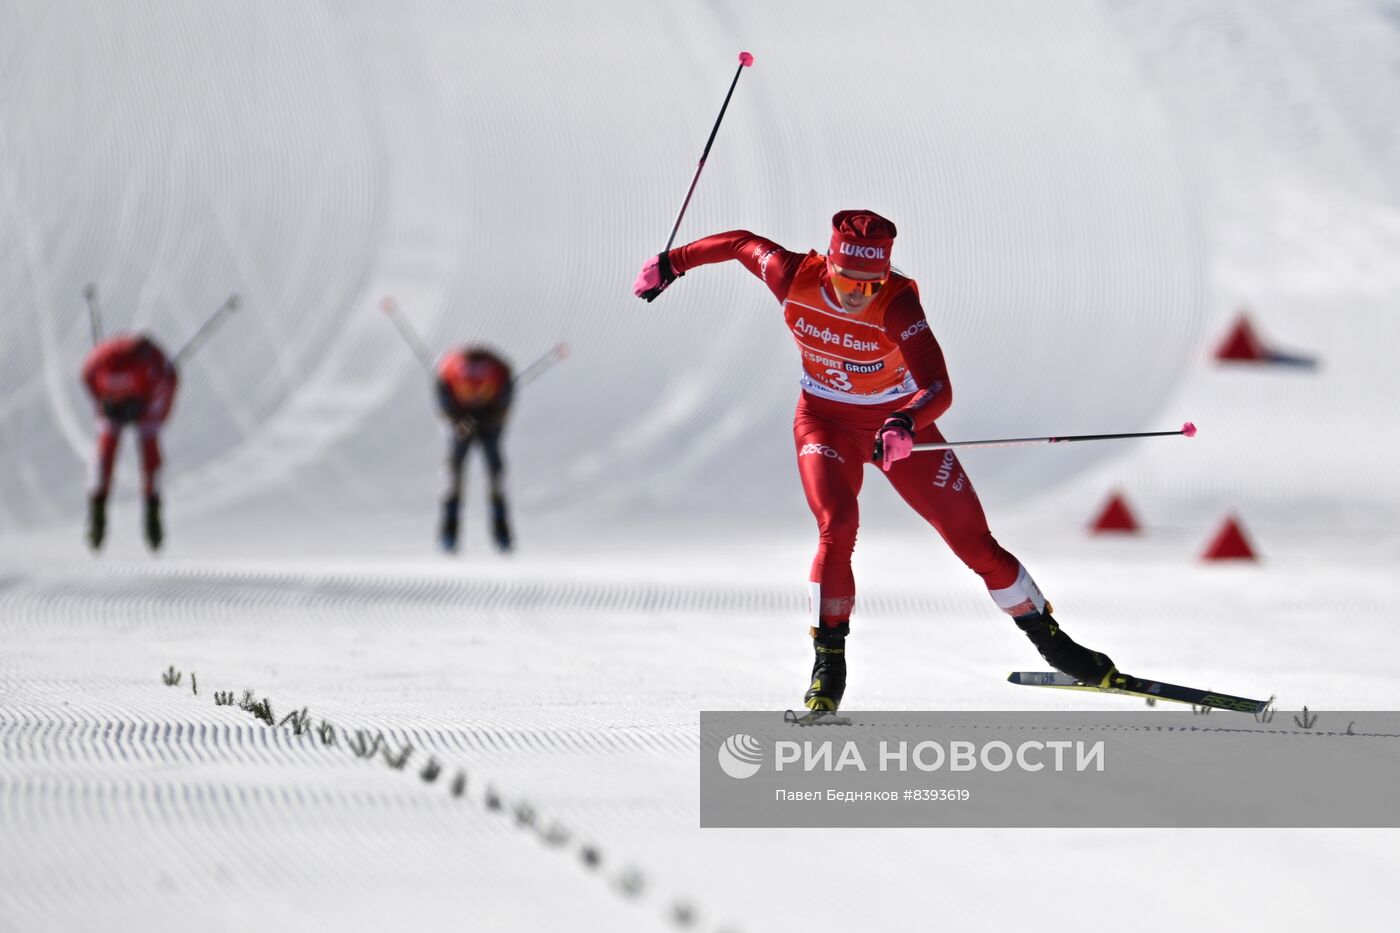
(859, 286)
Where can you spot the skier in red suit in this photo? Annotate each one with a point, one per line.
(474, 388)
(131, 382)
(873, 378)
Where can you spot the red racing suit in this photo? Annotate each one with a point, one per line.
(474, 382)
(857, 370)
(131, 382)
(475, 388)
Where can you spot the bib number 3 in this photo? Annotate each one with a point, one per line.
(838, 380)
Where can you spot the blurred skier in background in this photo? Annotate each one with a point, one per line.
(131, 381)
(474, 389)
(873, 376)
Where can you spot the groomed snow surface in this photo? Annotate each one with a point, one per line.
(1088, 193)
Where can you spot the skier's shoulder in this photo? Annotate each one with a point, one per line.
(903, 314)
(808, 266)
(904, 299)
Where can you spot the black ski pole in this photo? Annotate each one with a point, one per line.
(745, 60)
(94, 312)
(194, 343)
(1186, 430)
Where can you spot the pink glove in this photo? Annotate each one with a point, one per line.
(647, 279)
(895, 440)
(656, 274)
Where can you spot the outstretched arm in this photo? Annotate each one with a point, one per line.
(761, 256)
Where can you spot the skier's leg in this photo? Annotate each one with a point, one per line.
(831, 480)
(938, 489)
(108, 435)
(453, 467)
(935, 486)
(496, 473)
(149, 432)
(829, 462)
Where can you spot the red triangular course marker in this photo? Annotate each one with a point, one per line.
(1243, 344)
(1116, 517)
(1229, 543)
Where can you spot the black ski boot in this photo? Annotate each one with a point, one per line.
(97, 521)
(447, 527)
(500, 525)
(155, 534)
(829, 670)
(1064, 653)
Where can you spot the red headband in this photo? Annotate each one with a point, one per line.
(861, 241)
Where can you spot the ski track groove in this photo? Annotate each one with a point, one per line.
(189, 593)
